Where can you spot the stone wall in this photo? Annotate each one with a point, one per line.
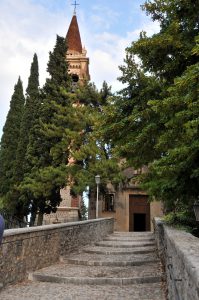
(28, 249)
(179, 252)
(62, 215)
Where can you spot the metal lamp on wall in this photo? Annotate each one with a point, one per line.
(97, 181)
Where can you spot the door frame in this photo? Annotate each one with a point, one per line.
(139, 204)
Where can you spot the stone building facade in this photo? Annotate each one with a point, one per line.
(128, 205)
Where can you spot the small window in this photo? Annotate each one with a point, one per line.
(109, 202)
(75, 78)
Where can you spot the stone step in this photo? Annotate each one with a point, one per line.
(133, 234)
(49, 290)
(76, 271)
(64, 273)
(119, 251)
(96, 281)
(110, 263)
(129, 239)
(104, 257)
(116, 244)
(123, 267)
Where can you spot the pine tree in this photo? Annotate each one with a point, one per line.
(175, 175)
(142, 120)
(91, 151)
(162, 57)
(167, 53)
(132, 124)
(9, 142)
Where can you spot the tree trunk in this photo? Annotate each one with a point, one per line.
(40, 219)
(92, 204)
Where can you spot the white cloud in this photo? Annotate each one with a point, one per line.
(108, 52)
(26, 28)
(102, 16)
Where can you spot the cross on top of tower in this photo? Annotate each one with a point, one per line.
(75, 4)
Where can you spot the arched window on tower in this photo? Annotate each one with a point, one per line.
(75, 79)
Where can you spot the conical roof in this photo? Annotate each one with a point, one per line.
(73, 36)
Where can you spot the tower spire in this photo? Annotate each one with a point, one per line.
(76, 54)
(73, 36)
(75, 4)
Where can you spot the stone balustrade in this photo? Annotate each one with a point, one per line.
(28, 249)
(179, 251)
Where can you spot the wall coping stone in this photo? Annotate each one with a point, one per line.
(186, 247)
(25, 230)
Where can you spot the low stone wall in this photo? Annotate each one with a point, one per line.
(179, 252)
(28, 249)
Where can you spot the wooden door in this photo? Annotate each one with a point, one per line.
(139, 213)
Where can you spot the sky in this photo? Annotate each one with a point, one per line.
(31, 26)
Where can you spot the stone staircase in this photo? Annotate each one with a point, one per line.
(123, 266)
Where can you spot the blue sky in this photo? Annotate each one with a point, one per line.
(29, 26)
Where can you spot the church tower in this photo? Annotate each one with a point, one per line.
(76, 54)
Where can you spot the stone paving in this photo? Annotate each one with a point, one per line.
(127, 270)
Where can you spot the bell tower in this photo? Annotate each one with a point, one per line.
(76, 54)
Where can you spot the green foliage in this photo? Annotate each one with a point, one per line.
(175, 174)
(78, 127)
(45, 159)
(27, 122)
(131, 124)
(13, 198)
(153, 121)
(68, 138)
(83, 211)
(91, 151)
(168, 53)
(183, 219)
(10, 140)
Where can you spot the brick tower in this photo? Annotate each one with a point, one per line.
(76, 54)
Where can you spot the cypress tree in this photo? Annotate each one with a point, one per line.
(20, 203)
(9, 141)
(43, 181)
(28, 119)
